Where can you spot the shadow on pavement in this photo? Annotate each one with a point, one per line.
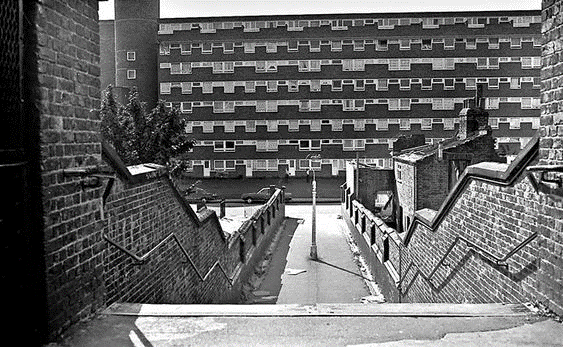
(341, 269)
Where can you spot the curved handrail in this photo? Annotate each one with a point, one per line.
(143, 259)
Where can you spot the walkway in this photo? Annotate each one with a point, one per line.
(335, 277)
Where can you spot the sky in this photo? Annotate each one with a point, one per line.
(216, 8)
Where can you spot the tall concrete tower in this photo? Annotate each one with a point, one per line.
(136, 47)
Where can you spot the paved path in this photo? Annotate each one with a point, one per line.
(335, 277)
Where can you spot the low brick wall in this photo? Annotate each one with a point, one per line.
(141, 215)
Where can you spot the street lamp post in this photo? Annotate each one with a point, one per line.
(313, 254)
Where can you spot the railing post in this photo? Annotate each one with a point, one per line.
(222, 205)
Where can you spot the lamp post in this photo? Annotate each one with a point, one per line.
(313, 254)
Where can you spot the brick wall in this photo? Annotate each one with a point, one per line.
(551, 121)
(68, 90)
(141, 215)
(494, 207)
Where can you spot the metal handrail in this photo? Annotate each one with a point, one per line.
(143, 259)
(498, 261)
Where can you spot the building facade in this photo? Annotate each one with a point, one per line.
(264, 94)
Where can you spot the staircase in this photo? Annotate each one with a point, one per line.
(129, 324)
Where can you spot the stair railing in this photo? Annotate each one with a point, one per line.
(491, 257)
(143, 259)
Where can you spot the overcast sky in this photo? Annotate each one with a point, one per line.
(210, 8)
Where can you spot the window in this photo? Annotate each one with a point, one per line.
(359, 45)
(353, 105)
(494, 43)
(272, 86)
(249, 47)
(449, 43)
(293, 125)
(250, 126)
(130, 56)
(470, 43)
(292, 46)
(426, 84)
(229, 126)
(315, 86)
(292, 86)
(336, 46)
(492, 103)
(309, 145)
(382, 84)
(493, 83)
(359, 124)
(515, 42)
(207, 127)
(359, 85)
(354, 145)
(426, 44)
(526, 62)
(514, 83)
(131, 74)
(336, 85)
(186, 107)
(443, 104)
(315, 125)
(470, 83)
(404, 124)
(249, 87)
(315, 105)
(165, 88)
(315, 46)
(336, 125)
(382, 45)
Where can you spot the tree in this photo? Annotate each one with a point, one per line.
(140, 137)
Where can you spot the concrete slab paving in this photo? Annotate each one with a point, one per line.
(335, 277)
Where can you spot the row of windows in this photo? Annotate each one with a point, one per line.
(393, 104)
(359, 45)
(303, 144)
(273, 164)
(380, 84)
(359, 124)
(344, 24)
(265, 66)
(316, 144)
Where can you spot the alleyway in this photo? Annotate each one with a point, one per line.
(333, 278)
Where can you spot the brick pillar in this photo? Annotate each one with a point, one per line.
(551, 121)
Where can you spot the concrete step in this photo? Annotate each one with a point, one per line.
(321, 310)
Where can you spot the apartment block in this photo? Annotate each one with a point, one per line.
(280, 95)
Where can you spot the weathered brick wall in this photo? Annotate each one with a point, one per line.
(497, 219)
(431, 183)
(551, 121)
(69, 90)
(139, 216)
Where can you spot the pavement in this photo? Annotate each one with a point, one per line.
(316, 325)
(334, 277)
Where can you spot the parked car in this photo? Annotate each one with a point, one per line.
(195, 194)
(262, 195)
